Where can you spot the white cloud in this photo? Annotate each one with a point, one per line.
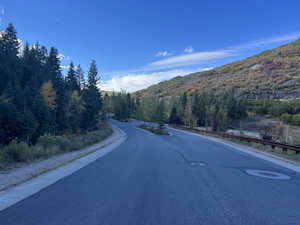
(200, 58)
(196, 58)
(266, 41)
(63, 57)
(137, 81)
(163, 54)
(64, 67)
(188, 49)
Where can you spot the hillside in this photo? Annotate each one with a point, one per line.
(273, 73)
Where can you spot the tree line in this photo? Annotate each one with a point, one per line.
(37, 99)
(199, 109)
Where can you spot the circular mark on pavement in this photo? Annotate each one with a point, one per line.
(267, 174)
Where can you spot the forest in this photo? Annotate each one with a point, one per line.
(38, 102)
(204, 109)
(219, 112)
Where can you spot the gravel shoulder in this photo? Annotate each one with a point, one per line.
(24, 172)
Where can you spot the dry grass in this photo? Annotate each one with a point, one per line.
(273, 71)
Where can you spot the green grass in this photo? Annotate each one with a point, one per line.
(47, 146)
(154, 130)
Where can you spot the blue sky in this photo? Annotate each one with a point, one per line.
(137, 43)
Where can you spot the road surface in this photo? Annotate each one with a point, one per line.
(181, 179)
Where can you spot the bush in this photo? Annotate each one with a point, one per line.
(4, 158)
(63, 143)
(286, 118)
(18, 151)
(46, 141)
(296, 120)
(49, 145)
(291, 119)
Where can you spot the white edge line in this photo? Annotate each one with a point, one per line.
(262, 155)
(15, 194)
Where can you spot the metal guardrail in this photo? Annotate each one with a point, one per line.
(273, 144)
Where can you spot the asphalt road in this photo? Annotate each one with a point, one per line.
(166, 180)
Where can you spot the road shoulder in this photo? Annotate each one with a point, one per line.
(17, 185)
(280, 161)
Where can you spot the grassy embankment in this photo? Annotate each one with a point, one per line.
(47, 146)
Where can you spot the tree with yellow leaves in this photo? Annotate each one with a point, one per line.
(49, 94)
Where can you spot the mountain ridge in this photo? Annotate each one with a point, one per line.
(273, 73)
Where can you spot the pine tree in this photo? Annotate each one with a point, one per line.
(54, 74)
(72, 82)
(92, 99)
(159, 113)
(9, 60)
(174, 117)
(199, 105)
(80, 78)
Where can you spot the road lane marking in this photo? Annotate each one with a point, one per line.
(197, 163)
(267, 174)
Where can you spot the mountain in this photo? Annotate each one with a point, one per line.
(273, 73)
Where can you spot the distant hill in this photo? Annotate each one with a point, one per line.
(273, 73)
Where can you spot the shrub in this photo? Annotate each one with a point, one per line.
(46, 141)
(291, 119)
(4, 158)
(19, 151)
(63, 143)
(49, 145)
(296, 120)
(287, 118)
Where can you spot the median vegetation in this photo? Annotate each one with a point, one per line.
(160, 130)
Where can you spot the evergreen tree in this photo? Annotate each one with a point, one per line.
(92, 99)
(9, 60)
(183, 100)
(72, 81)
(174, 117)
(199, 105)
(55, 75)
(159, 113)
(80, 78)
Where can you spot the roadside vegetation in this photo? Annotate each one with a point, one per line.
(42, 110)
(159, 130)
(47, 146)
(195, 110)
(266, 118)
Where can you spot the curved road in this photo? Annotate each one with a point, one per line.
(181, 179)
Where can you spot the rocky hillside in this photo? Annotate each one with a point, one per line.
(273, 73)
